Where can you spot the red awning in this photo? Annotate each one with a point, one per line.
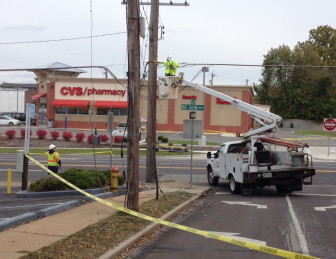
(110, 104)
(37, 96)
(71, 103)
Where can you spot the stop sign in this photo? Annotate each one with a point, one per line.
(329, 124)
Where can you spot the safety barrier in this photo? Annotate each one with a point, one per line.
(258, 247)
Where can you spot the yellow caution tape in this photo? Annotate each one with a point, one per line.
(261, 248)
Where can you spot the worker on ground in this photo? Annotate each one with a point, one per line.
(54, 159)
(170, 66)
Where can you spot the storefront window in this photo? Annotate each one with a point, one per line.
(83, 110)
(116, 111)
(72, 110)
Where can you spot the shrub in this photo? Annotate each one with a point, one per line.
(10, 134)
(80, 136)
(160, 137)
(66, 135)
(23, 132)
(54, 134)
(184, 145)
(104, 138)
(170, 144)
(164, 140)
(292, 125)
(77, 176)
(41, 134)
(118, 139)
(281, 125)
(89, 139)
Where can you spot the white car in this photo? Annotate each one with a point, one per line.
(5, 120)
(121, 130)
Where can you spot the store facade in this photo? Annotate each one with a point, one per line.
(73, 98)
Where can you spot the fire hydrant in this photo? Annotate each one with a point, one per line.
(115, 175)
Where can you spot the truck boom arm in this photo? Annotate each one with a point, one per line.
(254, 112)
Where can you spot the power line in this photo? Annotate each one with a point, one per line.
(247, 65)
(78, 38)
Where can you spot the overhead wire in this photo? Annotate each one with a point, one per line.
(67, 39)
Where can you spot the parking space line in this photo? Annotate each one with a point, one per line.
(30, 206)
(302, 239)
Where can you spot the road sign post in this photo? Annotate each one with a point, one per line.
(329, 125)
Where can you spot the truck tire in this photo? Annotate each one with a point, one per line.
(234, 186)
(211, 177)
(282, 189)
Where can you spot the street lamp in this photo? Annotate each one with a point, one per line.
(202, 140)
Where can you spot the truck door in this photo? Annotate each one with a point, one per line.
(215, 162)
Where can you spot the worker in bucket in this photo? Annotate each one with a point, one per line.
(54, 159)
(170, 66)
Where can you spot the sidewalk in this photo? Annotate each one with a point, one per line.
(43, 232)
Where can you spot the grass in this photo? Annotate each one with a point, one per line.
(316, 132)
(116, 152)
(96, 239)
(194, 142)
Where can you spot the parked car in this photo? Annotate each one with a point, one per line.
(5, 120)
(121, 130)
(21, 116)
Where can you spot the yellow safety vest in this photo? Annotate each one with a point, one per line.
(53, 158)
(170, 67)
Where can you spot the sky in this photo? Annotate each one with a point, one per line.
(213, 31)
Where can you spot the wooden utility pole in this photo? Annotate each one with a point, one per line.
(152, 87)
(133, 98)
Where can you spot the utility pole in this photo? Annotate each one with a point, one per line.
(202, 141)
(212, 76)
(152, 87)
(133, 98)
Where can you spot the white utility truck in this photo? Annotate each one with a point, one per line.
(254, 160)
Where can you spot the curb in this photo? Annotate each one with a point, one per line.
(59, 193)
(57, 209)
(116, 251)
(18, 220)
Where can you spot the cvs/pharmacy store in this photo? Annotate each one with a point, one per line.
(62, 94)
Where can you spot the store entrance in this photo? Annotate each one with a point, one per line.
(43, 118)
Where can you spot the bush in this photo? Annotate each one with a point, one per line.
(164, 140)
(66, 135)
(78, 177)
(10, 134)
(281, 125)
(80, 136)
(291, 125)
(184, 145)
(160, 137)
(89, 139)
(118, 139)
(104, 138)
(54, 134)
(41, 134)
(23, 132)
(170, 144)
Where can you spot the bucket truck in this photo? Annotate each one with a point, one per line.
(251, 162)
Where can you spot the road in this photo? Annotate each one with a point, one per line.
(303, 222)
(210, 137)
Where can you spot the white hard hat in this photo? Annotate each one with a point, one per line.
(51, 146)
(169, 57)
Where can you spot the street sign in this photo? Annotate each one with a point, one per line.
(190, 107)
(192, 115)
(329, 124)
(193, 101)
(32, 110)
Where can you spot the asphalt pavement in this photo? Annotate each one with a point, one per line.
(302, 222)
